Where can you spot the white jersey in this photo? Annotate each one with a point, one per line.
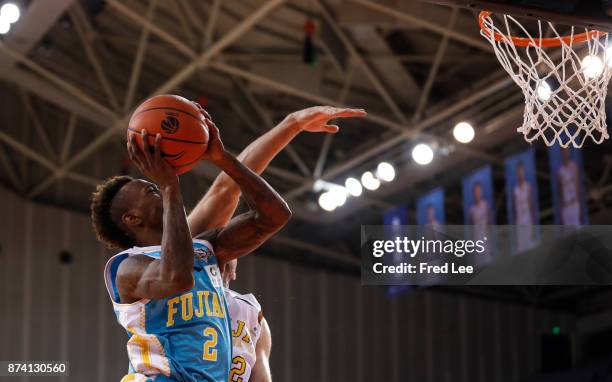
(245, 315)
(480, 213)
(522, 196)
(568, 176)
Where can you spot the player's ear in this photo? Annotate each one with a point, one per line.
(131, 218)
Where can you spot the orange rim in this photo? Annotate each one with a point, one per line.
(549, 41)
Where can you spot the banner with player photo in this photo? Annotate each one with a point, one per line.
(395, 221)
(479, 206)
(396, 216)
(568, 189)
(430, 208)
(430, 218)
(522, 200)
(478, 202)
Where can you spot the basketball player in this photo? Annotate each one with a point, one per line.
(480, 211)
(166, 288)
(524, 210)
(251, 334)
(432, 220)
(568, 184)
(480, 215)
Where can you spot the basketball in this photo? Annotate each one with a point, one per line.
(182, 126)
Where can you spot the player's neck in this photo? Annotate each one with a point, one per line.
(149, 237)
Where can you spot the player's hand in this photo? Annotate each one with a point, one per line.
(151, 163)
(316, 119)
(203, 112)
(215, 150)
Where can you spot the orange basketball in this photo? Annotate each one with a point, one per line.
(182, 126)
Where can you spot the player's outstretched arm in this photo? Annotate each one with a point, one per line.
(219, 203)
(267, 213)
(261, 369)
(141, 277)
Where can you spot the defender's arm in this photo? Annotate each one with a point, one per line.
(261, 370)
(219, 203)
(267, 213)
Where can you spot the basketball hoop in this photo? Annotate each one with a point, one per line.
(565, 90)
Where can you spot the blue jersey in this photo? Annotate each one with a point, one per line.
(186, 337)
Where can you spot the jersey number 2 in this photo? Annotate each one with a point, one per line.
(210, 353)
(237, 371)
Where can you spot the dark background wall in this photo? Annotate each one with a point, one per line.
(325, 325)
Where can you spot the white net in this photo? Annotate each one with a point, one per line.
(565, 86)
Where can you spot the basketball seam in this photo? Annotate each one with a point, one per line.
(187, 164)
(170, 139)
(166, 108)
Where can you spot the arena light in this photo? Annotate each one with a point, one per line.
(463, 132)
(5, 26)
(385, 171)
(422, 154)
(592, 66)
(544, 91)
(326, 201)
(353, 187)
(369, 181)
(10, 13)
(338, 194)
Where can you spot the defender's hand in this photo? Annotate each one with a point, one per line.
(151, 164)
(316, 119)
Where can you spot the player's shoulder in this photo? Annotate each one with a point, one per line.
(127, 264)
(244, 299)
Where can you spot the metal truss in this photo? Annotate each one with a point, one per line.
(405, 131)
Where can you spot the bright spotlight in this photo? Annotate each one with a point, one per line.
(338, 194)
(5, 26)
(592, 66)
(422, 154)
(10, 13)
(369, 181)
(385, 171)
(463, 132)
(326, 201)
(544, 91)
(353, 187)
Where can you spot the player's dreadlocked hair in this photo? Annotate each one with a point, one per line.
(101, 201)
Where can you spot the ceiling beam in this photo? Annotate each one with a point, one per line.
(140, 53)
(87, 36)
(265, 116)
(348, 44)
(404, 133)
(213, 16)
(48, 164)
(9, 170)
(56, 80)
(197, 63)
(38, 18)
(433, 71)
(66, 146)
(38, 126)
(420, 22)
